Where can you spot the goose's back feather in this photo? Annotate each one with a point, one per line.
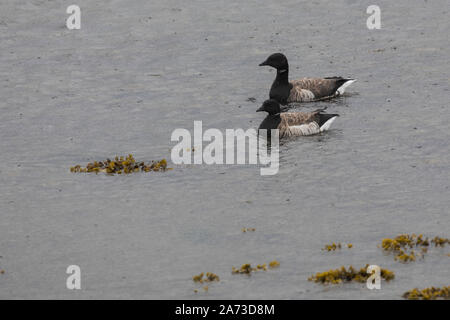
(313, 89)
(306, 129)
(299, 123)
(297, 118)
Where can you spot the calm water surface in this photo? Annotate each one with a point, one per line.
(137, 70)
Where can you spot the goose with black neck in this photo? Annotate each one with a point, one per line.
(305, 89)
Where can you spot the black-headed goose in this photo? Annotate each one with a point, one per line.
(302, 90)
(294, 123)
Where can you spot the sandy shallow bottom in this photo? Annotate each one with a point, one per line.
(139, 69)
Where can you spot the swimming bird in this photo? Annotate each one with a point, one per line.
(302, 90)
(294, 123)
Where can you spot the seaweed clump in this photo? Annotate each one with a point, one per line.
(403, 244)
(209, 277)
(274, 264)
(202, 278)
(122, 165)
(248, 269)
(335, 246)
(332, 247)
(440, 242)
(347, 275)
(248, 230)
(428, 294)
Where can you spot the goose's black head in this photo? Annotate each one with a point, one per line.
(277, 61)
(271, 106)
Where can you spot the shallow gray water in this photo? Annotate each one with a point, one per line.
(139, 69)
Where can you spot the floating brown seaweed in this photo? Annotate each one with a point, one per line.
(403, 256)
(346, 275)
(210, 277)
(248, 269)
(403, 244)
(122, 165)
(428, 294)
(440, 242)
(332, 247)
(274, 264)
(245, 268)
(335, 246)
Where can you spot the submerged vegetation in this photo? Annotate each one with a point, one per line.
(402, 246)
(428, 294)
(347, 275)
(122, 165)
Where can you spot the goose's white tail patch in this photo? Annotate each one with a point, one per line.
(342, 88)
(326, 126)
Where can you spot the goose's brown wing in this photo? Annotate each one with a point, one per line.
(321, 88)
(298, 118)
(299, 123)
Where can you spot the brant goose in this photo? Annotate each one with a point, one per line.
(302, 90)
(295, 123)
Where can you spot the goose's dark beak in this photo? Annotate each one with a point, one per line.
(260, 109)
(263, 63)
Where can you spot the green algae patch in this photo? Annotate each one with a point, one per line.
(428, 294)
(403, 246)
(348, 275)
(121, 165)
